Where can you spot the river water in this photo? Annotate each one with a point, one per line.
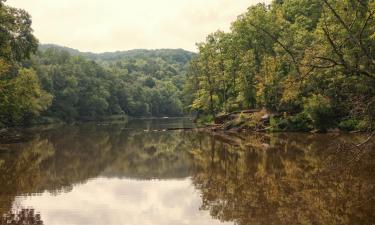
(137, 173)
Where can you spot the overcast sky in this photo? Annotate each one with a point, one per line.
(99, 26)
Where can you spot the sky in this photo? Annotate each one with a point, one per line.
(110, 25)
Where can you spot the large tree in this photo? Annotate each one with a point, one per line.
(305, 58)
(20, 95)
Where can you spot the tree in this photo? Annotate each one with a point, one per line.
(21, 98)
(276, 56)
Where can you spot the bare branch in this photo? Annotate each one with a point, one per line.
(327, 59)
(366, 141)
(347, 28)
(370, 16)
(335, 49)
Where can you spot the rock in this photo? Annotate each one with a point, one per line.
(266, 117)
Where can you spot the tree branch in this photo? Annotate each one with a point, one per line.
(346, 27)
(289, 52)
(364, 27)
(366, 141)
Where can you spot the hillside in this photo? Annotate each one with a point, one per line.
(170, 55)
(138, 83)
(64, 84)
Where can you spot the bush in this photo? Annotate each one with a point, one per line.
(348, 125)
(299, 122)
(354, 125)
(277, 124)
(318, 109)
(205, 119)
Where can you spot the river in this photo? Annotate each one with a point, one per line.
(137, 173)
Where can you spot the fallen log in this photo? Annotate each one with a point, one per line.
(181, 128)
(233, 115)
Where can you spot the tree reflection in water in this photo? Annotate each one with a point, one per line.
(286, 179)
(21, 217)
(269, 179)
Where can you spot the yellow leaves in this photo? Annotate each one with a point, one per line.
(201, 102)
(22, 96)
(4, 67)
(291, 89)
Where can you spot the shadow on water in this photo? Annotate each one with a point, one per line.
(267, 179)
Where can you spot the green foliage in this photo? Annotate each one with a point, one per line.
(353, 125)
(296, 123)
(149, 82)
(283, 57)
(59, 83)
(16, 39)
(276, 56)
(318, 109)
(135, 84)
(22, 99)
(205, 119)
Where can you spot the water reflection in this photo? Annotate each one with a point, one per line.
(21, 217)
(287, 179)
(130, 174)
(123, 201)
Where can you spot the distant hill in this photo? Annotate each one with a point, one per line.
(138, 83)
(72, 51)
(171, 55)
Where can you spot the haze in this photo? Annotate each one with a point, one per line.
(111, 25)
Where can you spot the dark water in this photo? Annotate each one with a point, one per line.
(123, 174)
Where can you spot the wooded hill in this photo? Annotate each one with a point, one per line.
(138, 83)
(45, 83)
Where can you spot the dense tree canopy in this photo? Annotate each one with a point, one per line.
(21, 97)
(311, 59)
(148, 83)
(61, 83)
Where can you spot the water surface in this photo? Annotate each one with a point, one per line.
(135, 173)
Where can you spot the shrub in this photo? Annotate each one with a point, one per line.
(205, 119)
(348, 125)
(354, 125)
(299, 122)
(318, 109)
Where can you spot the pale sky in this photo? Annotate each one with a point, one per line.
(110, 25)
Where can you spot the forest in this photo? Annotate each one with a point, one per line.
(309, 62)
(48, 83)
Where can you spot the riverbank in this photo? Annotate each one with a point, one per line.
(261, 120)
(226, 127)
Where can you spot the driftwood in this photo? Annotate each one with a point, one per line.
(181, 128)
(230, 116)
(170, 129)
